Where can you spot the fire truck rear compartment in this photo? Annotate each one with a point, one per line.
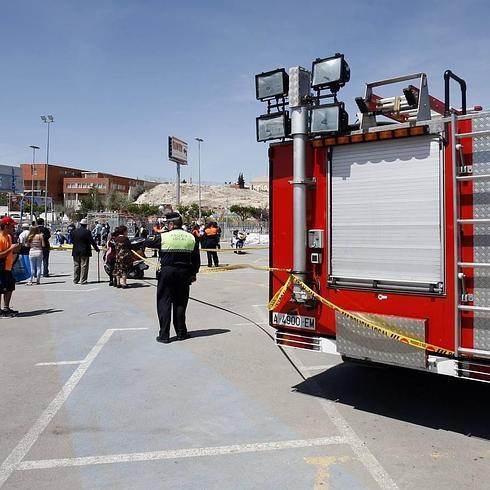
(390, 210)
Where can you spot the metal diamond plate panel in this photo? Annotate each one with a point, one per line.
(355, 340)
(481, 209)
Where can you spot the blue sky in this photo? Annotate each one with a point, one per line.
(120, 76)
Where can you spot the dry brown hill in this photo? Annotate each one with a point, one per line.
(212, 196)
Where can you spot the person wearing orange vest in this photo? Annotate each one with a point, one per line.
(211, 241)
(7, 251)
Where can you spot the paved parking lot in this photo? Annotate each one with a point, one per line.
(88, 399)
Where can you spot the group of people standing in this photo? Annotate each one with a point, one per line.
(34, 240)
(31, 240)
(100, 233)
(209, 237)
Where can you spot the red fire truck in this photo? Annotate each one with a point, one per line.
(380, 230)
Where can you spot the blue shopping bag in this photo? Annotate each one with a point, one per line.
(22, 268)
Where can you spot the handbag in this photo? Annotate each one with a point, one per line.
(22, 268)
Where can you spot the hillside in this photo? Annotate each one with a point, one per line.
(212, 196)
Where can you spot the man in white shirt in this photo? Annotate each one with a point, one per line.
(24, 234)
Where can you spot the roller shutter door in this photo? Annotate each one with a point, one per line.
(386, 211)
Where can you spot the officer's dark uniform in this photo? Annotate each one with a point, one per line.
(180, 262)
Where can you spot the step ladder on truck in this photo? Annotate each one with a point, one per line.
(384, 255)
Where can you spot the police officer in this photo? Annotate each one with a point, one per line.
(180, 262)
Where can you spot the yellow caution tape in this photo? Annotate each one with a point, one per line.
(62, 247)
(280, 294)
(151, 263)
(392, 334)
(221, 268)
(357, 317)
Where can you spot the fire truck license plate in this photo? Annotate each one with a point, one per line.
(293, 320)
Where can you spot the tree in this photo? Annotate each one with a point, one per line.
(141, 210)
(116, 201)
(190, 212)
(245, 212)
(241, 181)
(264, 214)
(91, 202)
(184, 210)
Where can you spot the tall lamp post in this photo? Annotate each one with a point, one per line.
(34, 148)
(199, 141)
(48, 120)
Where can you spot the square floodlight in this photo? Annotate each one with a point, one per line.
(333, 72)
(272, 126)
(328, 119)
(271, 84)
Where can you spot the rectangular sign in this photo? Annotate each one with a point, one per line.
(177, 150)
(286, 320)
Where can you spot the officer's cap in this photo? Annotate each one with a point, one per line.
(173, 217)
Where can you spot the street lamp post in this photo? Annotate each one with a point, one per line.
(34, 148)
(199, 141)
(48, 120)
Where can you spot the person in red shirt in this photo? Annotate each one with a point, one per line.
(7, 251)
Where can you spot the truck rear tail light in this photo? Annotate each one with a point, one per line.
(401, 133)
(385, 135)
(418, 130)
(372, 136)
(357, 138)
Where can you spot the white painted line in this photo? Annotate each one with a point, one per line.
(360, 449)
(130, 328)
(80, 290)
(318, 368)
(179, 453)
(23, 447)
(59, 363)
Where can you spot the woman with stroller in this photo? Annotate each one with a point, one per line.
(124, 257)
(110, 256)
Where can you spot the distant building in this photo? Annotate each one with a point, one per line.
(34, 177)
(67, 185)
(11, 179)
(260, 184)
(74, 188)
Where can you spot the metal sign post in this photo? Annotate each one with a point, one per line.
(177, 152)
(177, 190)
